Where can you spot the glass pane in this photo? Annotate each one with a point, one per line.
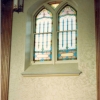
(43, 49)
(67, 35)
(54, 4)
(66, 11)
(44, 21)
(43, 37)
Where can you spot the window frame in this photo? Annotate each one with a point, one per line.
(55, 14)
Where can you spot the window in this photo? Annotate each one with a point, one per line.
(64, 40)
(67, 35)
(43, 36)
(53, 40)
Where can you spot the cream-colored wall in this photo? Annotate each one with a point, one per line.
(81, 87)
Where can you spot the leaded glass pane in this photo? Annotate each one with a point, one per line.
(43, 37)
(44, 21)
(54, 5)
(67, 35)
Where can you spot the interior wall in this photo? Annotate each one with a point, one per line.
(81, 87)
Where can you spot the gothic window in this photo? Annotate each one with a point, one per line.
(59, 45)
(67, 35)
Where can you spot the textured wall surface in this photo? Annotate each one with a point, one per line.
(81, 87)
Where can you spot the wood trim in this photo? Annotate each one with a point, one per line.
(97, 34)
(6, 33)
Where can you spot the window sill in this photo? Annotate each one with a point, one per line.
(69, 69)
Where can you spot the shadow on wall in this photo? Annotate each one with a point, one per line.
(28, 41)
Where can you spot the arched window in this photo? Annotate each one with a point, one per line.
(54, 40)
(55, 37)
(67, 35)
(43, 36)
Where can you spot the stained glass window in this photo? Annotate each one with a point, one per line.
(54, 5)
(43, 37)
(67, 35)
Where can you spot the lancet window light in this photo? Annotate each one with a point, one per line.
(43, 36)
(67, 35)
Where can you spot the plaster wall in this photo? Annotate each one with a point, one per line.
(82, 87)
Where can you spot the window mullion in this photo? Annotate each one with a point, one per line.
(54, 38)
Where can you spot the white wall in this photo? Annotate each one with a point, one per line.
(81, 87)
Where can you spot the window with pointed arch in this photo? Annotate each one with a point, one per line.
(55, 33)
(43, 36)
